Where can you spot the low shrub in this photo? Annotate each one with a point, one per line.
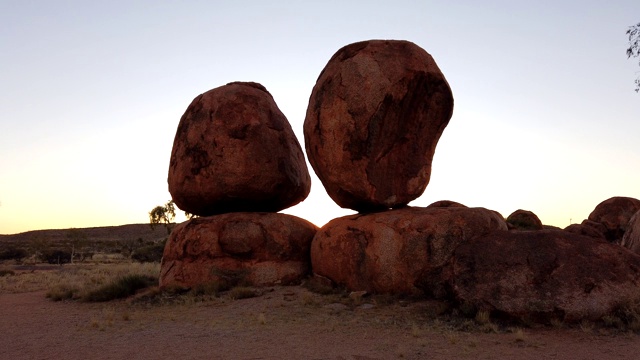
(242, 292)
(62, 292)
(149, 253)
(119, 288)
(13, 253)
(6, 272)
(56, 257)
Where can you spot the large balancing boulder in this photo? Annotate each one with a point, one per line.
(234, 150)
(235, 248)
(388, 252)
(542, 275)
(374, 118)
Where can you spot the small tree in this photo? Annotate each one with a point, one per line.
(163, 214)
(634, 47)
(78, 240)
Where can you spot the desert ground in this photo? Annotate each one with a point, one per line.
(288, 322)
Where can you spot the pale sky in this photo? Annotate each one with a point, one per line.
(546, 118)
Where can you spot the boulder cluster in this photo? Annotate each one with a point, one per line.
(373, 122)
(235, 163)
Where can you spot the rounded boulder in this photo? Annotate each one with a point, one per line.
(614, 214)
(238, 248)
(374, 119)
(233, 151)
(388, 252)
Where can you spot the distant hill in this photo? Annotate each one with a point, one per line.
(105, 234)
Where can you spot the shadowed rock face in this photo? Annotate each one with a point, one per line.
(388, 252)
(614, 214)
(524, 220)
(631, 238)
(256, 248)
(234, 150)
(374, 118)
(588, 228)
(541, 275)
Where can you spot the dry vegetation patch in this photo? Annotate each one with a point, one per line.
(77, 281)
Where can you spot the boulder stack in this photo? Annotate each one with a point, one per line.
(235, 162)
(374, 119)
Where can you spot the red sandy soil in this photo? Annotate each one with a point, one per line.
(283, 323)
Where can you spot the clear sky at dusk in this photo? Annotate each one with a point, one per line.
(91, 93)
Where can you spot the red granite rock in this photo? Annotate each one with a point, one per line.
(631, 237)
(254, 248)
(373, 122)
(234, 150)
(541, 275)
(445, 203)
(524, 220)
(388, 252)
(588, 228)
(614, 214)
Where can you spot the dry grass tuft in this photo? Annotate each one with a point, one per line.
(416, 332)
(242, 292)
(89, 282)
(262, 319)
(519, 335)
(5, 271)
(483, 317)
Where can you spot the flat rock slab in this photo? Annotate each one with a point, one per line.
(254, 248)
(543, 274)
(388, 252)
(234, 150)
(374, 118)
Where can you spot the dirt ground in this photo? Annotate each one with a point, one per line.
(282, 323)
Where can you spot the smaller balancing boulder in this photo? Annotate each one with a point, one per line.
(614, 214)
(542, 275)
(374, 118)
(388, 252)
(259, 249)
(524, 220)
(234, 150)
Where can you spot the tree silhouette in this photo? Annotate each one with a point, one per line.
(163, 214)
(634, 47)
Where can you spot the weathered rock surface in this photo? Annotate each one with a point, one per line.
(445, 203)
(588, 228)
(524, 220)
(234, 150)
(374, 118)
(387, 252)
(543, 274)
(256, 248)
(631, 238)
(614, 214)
